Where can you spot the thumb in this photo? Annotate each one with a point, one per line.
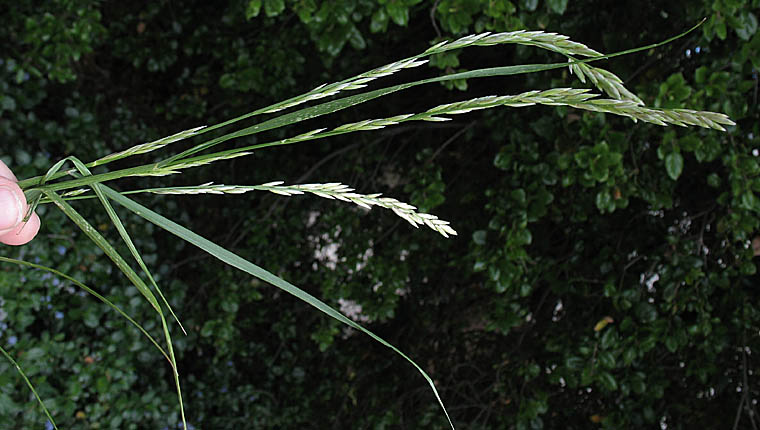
(13, 207)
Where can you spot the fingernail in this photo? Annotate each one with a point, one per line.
(10, 209)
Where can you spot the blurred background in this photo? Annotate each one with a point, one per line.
(604, 272)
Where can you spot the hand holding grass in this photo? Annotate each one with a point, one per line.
(50, 188)
(13, 208)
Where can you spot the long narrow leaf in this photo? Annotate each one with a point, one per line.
(240, 263)
(31, 387)
(350, 101)
(123, 233)
(92, 292)
(103, 244)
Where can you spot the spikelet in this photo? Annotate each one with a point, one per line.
(147, 147)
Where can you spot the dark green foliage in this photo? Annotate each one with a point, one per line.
(604, 274)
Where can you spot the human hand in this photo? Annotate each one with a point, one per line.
(13, 207)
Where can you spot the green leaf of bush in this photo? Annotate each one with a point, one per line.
(558, 6)
(674, 165)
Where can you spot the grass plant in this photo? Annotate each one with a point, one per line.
(62, 187)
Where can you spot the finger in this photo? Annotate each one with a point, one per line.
(12, 205)
(23, 233)
(6, 172)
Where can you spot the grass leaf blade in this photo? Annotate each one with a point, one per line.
(124, 235)
(99, 240)
(244, 265)
(92, 292)
(346, 102)
(31, 387)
